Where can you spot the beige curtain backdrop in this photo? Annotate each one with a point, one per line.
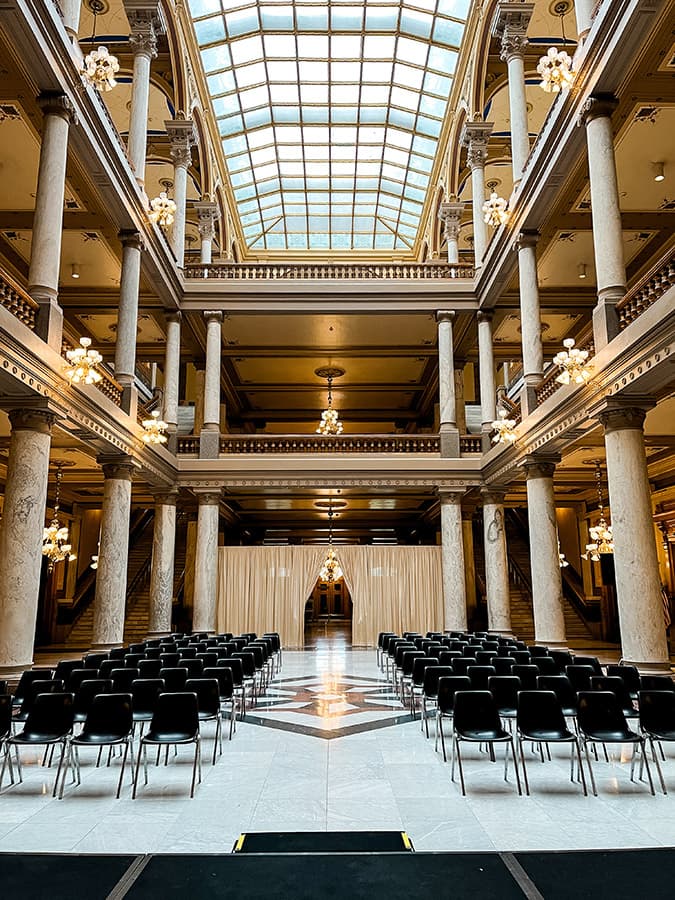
(392, 589)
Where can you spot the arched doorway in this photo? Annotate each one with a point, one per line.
(328, 614)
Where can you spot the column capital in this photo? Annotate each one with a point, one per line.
(173, 315)
(450, 214)
(450, 496)
(131, 238)
(182, 136)
(510, 27)
(445, 315)
(208, 213)
(475, 137)
(163, 497)
(526, 239)
(623, 418)
(485, 315)
(27, 419)
(540, 466)
(597, 105)
(212, 315)
(493, 495)
(121, 468)
(145, 25)
(54, 103)
(208, 497)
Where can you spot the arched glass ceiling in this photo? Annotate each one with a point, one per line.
(330, 114)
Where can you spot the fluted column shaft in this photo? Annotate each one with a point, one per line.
(636, 568)
(127, 317)
(486, 371)
(610, 268)
(547, 597)
(113, 554)
(162, 574)
(206, 564)
(45, 255)
(452, 562)
(496, 563)
(23, 518)
(449, 433)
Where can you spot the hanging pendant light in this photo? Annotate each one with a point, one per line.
(555, 66)
(562, 562)
(495, 211)
(330, 571)
(505, 429)
(572, 361)
(330, 422)
(602, 540)
(154, 429)
(99, 66)
(162, 210)
(83, 362)
(55, 544)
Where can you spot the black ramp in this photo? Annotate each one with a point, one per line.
(52, 876)
(460, 876)
(602, 874)
(323, 842)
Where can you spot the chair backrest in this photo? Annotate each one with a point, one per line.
(28, 677)
(117, 653)
(614, 684)
(448, 686)
(176, 716)
(591, 661)
(77, 676)
(562, 658)
(174, 678)
(503, 664)
(522, 657)
(94, 660)
(628, 674)
(123, 678)
(460, 665)
(187, 653)
(210, 658)
(657, 712)
(153, 652)
(235, 666)
(538, 650)
(504, 688)
(485, 657)
(194, 667)
(51, 717)
(247, 662)
(478, 675)
(546, 665)
(208, 693)
(420, 665)
(144, 694)
(402, 648)
(657, 683)
(562, 687)
(65, 667)
(540, 711)
(35, 688)
(528, 675)
(447, 657)
(109, 715)
(476, 711)
(169, 660)
(432, 674)
(599, 714)
(580, 676)
(131, 660)
(224, 678)
(88, 690)
(408, 658)
(149, 668)
(5, 715)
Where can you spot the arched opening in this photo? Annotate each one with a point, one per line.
(328, 614)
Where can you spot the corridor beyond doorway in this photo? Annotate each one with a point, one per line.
(328, 616)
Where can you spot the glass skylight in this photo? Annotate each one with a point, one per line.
(330, 114)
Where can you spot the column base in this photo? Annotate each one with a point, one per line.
(486, 439)
(129, 401)
(49, 322)
(151, 635)
(9, 671)
(649, 668)
(449, 441)
(102, 647)
(605, 321)
(501, 632)
(528, 399)
(209, 444)
(552, 645)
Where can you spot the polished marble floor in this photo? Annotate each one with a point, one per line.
(330, 749)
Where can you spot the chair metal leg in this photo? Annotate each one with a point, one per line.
(581, 768)
(138, 765)
(445, 758)
(515, 764)
(643, 754)
(655, 757)
(590, 769)
(459, 762)
(522, 759)
(58, 771)
(124, 762)
(18, 762)
(6, 758)
(145, 762)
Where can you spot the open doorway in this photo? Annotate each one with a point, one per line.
(328, 614)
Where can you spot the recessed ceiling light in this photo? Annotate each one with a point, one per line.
(659, 174)
(74, 270)
(581, 270)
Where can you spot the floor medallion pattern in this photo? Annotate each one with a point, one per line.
(328, 706)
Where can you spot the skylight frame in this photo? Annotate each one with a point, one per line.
(301, 152)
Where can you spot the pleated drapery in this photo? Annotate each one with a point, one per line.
(392, 589)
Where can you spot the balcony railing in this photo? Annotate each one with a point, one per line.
(14, 298)
(326, 271)
(648, 290)
(264, 444)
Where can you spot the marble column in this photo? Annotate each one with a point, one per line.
(182, 137)
(510, 26)
(496, 563)
(145, 24)
(45, 254)
(460, 402)
(469, 561)
(172, 376)
(448, 431)
(475, 138)
(530, 319)
(486, 374)
(127, 319)
(610, 268)
(113, 553)
(547, 596)
(209, 437)
(162, 574)
(636, 567)
(206, 564)
(71, 16)
(208, 214)
(452, 561)
(23, 518)
(450, 215)
(583, 10)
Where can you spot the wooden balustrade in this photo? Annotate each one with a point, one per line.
(325, 271)
(265, 444)
(648, 290)
(17, 300)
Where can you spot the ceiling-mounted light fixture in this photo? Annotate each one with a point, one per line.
(99, 66)
(572, 361)
(581, 270)
(74, 270)
(330, 422)
(659, 171)
(555, 67)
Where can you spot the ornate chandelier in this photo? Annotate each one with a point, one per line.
(572, 361)
(99, 66)
(330, 422)
(495, 211)
(504, 428)
(55, 545)
(602, 540)
(555, 67)
(83, 362)
(562, 562)
(154, 429)
(330, 571)
(162, 210)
